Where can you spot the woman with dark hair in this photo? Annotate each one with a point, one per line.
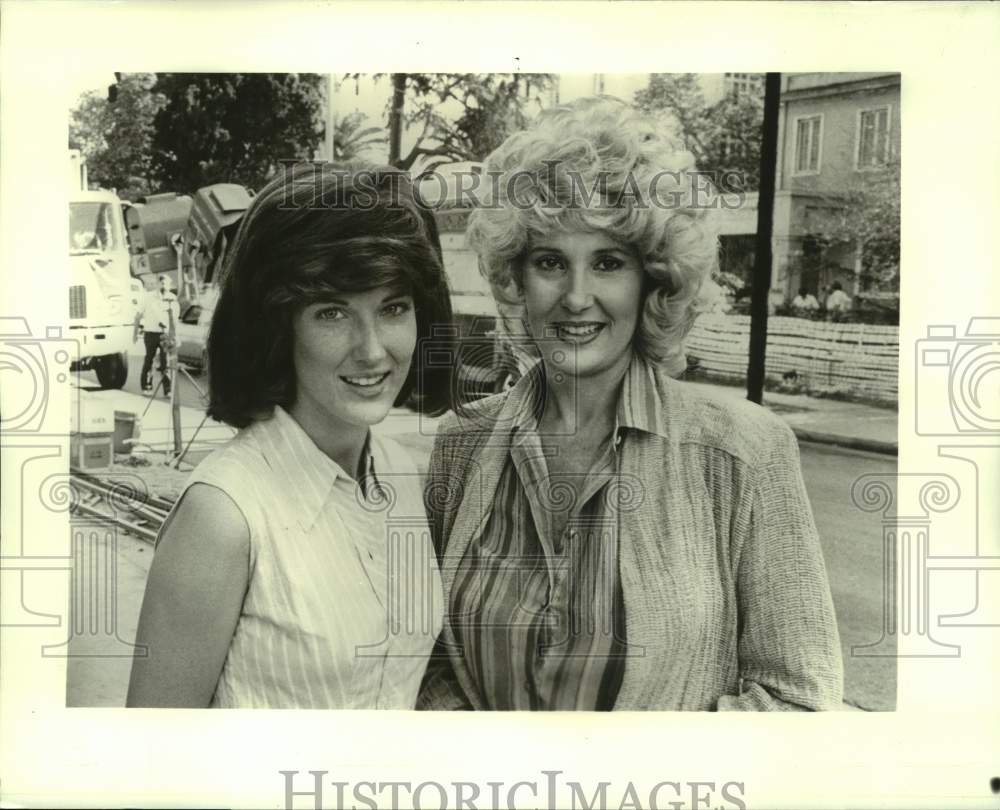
(281, 578)
(611, 538)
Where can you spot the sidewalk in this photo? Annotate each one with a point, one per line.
(826, 421)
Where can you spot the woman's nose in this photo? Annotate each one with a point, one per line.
(369, 346)
(577, 296)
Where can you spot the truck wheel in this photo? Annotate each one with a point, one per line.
(112, 370)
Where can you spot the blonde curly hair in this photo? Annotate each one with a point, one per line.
(596, 164)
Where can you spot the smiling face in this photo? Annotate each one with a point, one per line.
(582, 294)
(352, 355)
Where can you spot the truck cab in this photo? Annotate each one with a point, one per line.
(103, 296)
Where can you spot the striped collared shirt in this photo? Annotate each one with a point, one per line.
(539, 613)
(727, 601)
(344, 598)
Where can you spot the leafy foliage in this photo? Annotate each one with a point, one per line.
(465, 116)
(234, 127)
(870, 217)
(724, 137)
(182, 131)
(730, 283)
(351, 139)
(116, 138)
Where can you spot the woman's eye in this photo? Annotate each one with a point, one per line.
(397, 309)
(330, 314)
(609, 264)
(548, 263)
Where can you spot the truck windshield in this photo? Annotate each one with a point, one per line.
(90, 228)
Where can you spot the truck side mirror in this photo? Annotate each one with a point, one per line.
(133, 230)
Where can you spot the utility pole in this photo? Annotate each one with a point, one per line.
(331, 118)
(396, 117)
(765, 227)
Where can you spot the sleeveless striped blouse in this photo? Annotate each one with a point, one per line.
(344, 599)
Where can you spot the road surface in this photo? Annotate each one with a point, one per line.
(852, 548)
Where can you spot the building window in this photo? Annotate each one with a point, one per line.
(743, 84)
(873, 138)
(808, 133)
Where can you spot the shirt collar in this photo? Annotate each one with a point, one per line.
(640, 404)
(524, 400)
(306, 475)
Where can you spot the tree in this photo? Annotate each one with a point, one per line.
(724, 137)
(350, 139)
(234, 127)
(869, 218)
(460, 116)
(116, 137)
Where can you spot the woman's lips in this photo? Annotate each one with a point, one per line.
(366, 384)
(578, 332)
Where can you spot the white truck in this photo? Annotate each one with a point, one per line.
(103, 296)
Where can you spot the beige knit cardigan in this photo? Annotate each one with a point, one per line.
(727, 603)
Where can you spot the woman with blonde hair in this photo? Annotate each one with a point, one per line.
(610, 537)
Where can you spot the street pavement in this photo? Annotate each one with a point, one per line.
(829, 431)
(827, 421)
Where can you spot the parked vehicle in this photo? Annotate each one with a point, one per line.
(192, 332)
(103, 296)
(483, 363)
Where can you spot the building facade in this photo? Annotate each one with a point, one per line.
(832, 129)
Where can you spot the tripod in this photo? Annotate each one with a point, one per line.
(173, 367)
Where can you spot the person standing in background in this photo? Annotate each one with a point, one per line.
(805, 303)
(157, 319)
(838, 303)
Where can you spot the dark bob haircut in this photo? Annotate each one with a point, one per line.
(315, 231)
